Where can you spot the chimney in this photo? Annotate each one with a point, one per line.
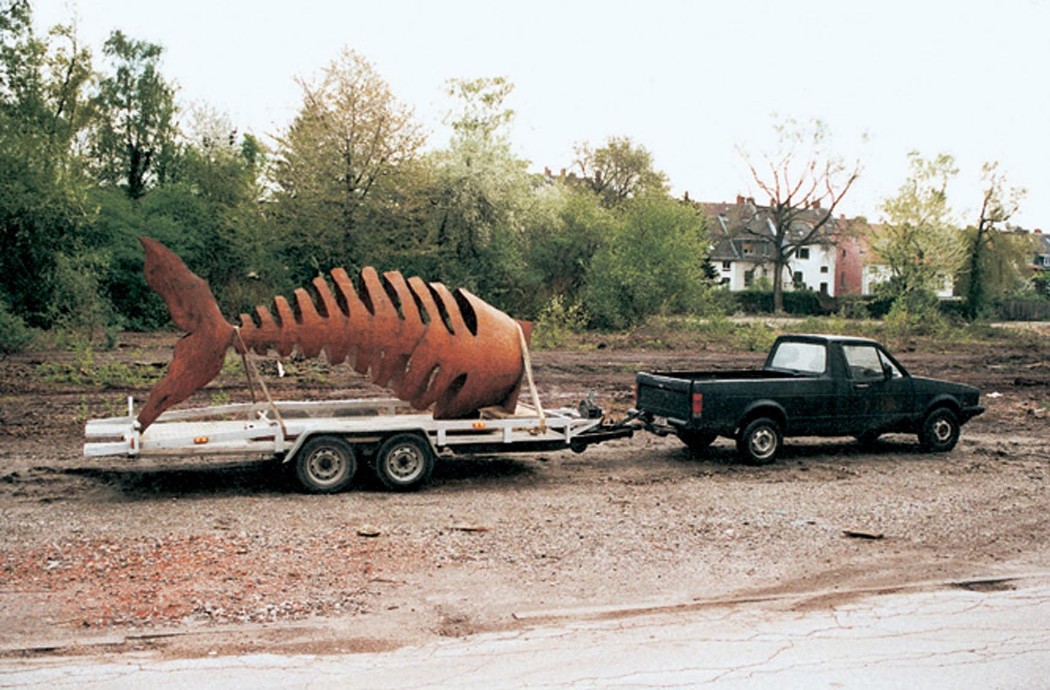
(815, 204)
(739, 199)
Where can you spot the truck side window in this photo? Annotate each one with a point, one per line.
(806, 358)
(894, 370)
(863, 361)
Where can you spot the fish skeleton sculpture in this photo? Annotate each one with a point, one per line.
(429, 344)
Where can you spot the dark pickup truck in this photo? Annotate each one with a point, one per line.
(811, 385)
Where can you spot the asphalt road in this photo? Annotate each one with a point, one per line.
(973, 634)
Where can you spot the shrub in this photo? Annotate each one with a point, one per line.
(651, 264)
(15, 336)
(557, 321)
(798, 302)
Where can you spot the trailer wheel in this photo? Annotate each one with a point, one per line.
(325, 465)
(760, 441)
(404, 462)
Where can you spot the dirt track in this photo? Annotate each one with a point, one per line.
(199, 557)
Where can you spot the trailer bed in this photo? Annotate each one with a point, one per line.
(281, 429)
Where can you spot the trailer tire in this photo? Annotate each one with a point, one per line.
(760, 441)
(404, 462)
(325, 465)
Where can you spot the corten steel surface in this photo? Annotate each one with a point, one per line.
(430, 345)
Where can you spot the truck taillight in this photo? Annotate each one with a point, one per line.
(698, 404)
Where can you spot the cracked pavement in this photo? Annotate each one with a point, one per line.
(970, 634)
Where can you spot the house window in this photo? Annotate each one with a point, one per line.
(823, 288)
(796, 278)
(749, 277)
(747, 249)
(823, 269)
(803, 252)
(726, 265)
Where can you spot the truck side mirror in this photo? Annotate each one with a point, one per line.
(887, 371)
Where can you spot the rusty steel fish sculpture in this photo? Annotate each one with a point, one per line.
(430, 345)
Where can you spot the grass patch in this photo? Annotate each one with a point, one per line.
(756, 334)
(85, 369)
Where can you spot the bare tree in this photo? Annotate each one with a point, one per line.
(804, 183)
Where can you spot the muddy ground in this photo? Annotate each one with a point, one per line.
(200, 556)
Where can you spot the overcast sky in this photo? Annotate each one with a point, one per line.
(690, 81)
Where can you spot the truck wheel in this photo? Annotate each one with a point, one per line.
(325, 465)
(759, 442)
(940, 431)
(696, 441)
(404, 462)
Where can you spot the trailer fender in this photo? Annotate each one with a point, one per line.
(373, 440)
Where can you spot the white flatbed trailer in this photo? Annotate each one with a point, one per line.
(326, 440)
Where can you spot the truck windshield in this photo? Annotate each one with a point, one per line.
(808, 358)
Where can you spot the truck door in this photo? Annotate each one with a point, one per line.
(879, 394)
(810, 398)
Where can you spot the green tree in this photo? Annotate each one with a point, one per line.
(42, 189)
(207, 211)
(562, 244)
(652, 263)
(619, 170)
(992, 267)
(133, 142)
(804, 183)
(220, 172)
(481, 106)
(347, 142)
(919, 241)
(481, 197)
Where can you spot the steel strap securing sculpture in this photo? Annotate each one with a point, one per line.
(430, 345)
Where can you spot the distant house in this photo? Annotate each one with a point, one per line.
(1041, 258)
(837, 262)
(860, 272)
(743, 248)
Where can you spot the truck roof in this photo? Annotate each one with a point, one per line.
(826, 338)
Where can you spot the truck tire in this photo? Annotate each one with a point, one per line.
(325, 465)
(696, 441)
(404, 462)
(940, 431)
(760, 441)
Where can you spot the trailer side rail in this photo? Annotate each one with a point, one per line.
(218, 431)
